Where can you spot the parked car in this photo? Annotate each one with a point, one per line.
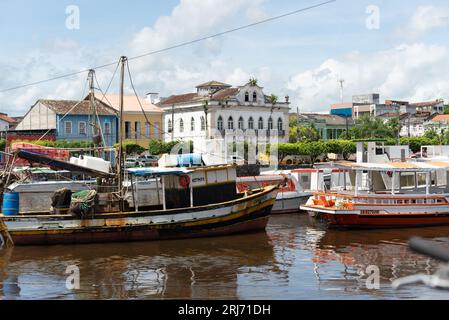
(131, 163)
(148, 160)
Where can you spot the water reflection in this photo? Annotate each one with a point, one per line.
(296, 259)
(199, 268)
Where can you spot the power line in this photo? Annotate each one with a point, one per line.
(183, 44)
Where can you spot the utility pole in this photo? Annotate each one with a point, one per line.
(298, 130)
(123, 61)
(172, 123)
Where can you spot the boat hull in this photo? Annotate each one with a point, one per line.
(377, 221)
(243, 215)
(289, 205)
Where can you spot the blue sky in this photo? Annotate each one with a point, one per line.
(301, 55)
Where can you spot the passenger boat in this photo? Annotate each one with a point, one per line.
(296, 185)
(386, 195)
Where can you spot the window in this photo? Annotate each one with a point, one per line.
(280, 124)
(137, 129)
(270, 124)
(220, 124)
(127, 130)
(181, 126)
(246, 96)
(203, 124)
(241, 124)
(251, 123)
(148, 130)
(261, 125)
(192, 124)
(107, 128)
(156, 130)
(68, 127)
(82, 128)
(254, 96)
(170, 126)
(231, 123)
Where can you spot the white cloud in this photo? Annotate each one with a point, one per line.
(425, 19)
(414, 72)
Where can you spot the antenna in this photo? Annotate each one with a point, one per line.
(341, 81)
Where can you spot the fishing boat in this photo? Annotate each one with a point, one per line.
(296, 185)
(386, 195)
(197, 202)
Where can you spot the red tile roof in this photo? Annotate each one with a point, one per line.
(131, 103)
(426, 104)
(225, 94)
(214, 83)
(441, 117)
(82, 107)
(183, 98)
(5, 118)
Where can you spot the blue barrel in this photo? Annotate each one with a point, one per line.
(10, 204)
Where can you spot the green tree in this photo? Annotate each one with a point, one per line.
(157, 147)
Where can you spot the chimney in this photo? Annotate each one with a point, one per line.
(153, 97)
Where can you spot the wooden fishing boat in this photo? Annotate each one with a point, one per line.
(242, 212)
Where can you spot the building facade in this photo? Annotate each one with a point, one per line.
(329, 127)
(70, 121)
(218, 110)
(140, 126)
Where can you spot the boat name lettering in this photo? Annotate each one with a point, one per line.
(370, 212)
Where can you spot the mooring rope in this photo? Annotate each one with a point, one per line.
(7, 240)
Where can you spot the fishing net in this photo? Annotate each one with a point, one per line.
(83, 201)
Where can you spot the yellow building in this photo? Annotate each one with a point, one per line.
(139, 126)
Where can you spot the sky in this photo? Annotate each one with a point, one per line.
(395, 48)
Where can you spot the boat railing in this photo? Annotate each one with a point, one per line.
(331, 199)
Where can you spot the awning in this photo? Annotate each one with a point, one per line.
(45, 160)
(408, 166)
(147, 172)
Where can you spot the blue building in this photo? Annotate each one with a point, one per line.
(71, 120)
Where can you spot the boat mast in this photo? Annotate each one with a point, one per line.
(94, 111)
(123, 61)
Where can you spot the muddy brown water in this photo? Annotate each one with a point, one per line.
(296, 258)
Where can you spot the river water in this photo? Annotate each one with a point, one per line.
(297, 258)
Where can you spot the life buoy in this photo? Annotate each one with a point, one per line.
(184, 181)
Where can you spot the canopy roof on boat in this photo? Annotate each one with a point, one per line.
(409, 166)
(53, 163)
(156, 171)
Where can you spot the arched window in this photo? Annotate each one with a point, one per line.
(231, 123)
(261, 126)
(251, 123)
(170, 126)
(247, 96)
(270, 124)
(220, 124)
(203, 124)
(241, 124)
(192, 124)
(280, 124)
(181, 126)
(254, 96)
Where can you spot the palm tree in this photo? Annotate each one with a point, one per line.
(206, 112)
(273, 99)
(253, 82)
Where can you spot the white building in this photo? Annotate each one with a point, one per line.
(217, 110)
